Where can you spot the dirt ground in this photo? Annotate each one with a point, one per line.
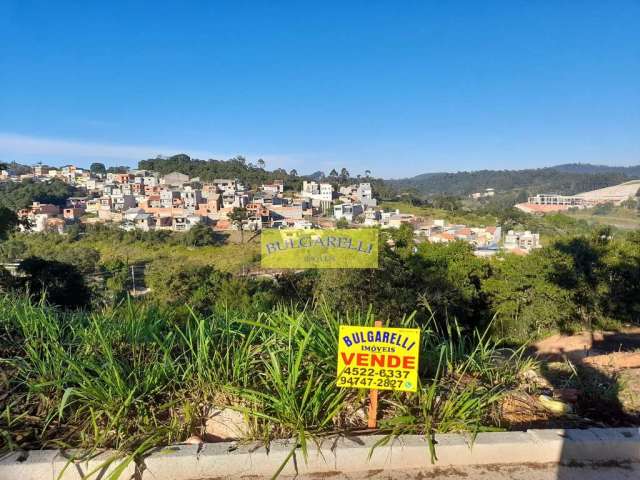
(529, 471)
(589, 344)
(596, 376)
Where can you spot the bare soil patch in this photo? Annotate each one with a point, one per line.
(597, 374)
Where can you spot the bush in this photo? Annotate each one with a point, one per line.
(60, 283)
(138, 376)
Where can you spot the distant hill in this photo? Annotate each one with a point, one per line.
(317, 176)
(563, 179)
(594, 169)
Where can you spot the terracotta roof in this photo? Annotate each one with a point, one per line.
(533, 208)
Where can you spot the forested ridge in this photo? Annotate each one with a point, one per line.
(563, 179)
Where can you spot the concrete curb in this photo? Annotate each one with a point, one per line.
(337, 454)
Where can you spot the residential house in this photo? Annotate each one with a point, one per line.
(348, 211)
(521, 240)
(191, 198)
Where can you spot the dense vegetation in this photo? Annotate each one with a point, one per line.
(632, 172)
(532, 181)
(137, 376)
(20, 195)
(583, 277)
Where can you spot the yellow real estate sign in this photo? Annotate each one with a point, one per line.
(378, 358)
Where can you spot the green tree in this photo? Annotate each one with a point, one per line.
(526, 297)
(450, 280)
(175, 284)
(98, 168)
(119, 169)
(390, 291)
(403, 238)
(8, 222)
(118, 281)
(620, 282)
(61, 283)
(21, 195)
(200, 235)
(238, 217)
(7, 281)
(342, 223)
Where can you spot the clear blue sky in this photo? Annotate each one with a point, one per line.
(397, 87)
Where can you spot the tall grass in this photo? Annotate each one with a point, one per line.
(137, 376)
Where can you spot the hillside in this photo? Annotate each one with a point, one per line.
(207, 170)
(564, 179)
(633, 171)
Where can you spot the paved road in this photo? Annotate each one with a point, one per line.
(497, 472)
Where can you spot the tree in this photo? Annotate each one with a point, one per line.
(403, 238)
(98, 168)
(119, 169)
(620, 289)
(20, 195)
(8, 221)
(342, 223)
(293, 173)
(344, 174)
(61, 283)
(333, 173)
(390, 291)
(238, 216)
(200, 235)
(525, 295)
(261, 164)
(174, 284)
(449, 279)
(367, 173)
(7, 281)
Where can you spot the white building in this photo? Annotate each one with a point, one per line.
(167, 197)
(320, 194)
(274, 188)
(360, 193)
(191, 197)
(348, 211)
(521, 240)
(120, 203)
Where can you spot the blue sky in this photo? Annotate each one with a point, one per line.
(399, 88)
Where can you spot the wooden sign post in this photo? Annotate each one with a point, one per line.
(377, 358)
(373, 398)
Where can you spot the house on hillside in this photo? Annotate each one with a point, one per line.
(526, 240)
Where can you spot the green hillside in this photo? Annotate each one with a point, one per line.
(565, 179)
